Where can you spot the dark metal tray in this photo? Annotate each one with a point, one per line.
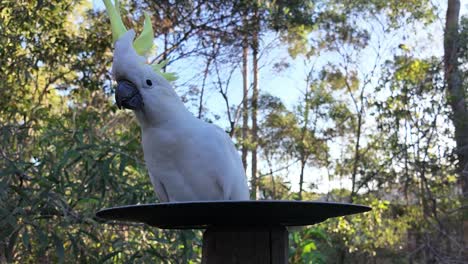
(197, 215)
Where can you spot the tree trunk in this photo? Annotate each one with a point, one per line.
(245, 97)
(456, 99)
(301, 177)
(254, 101)
(165, 51)
(202, 92)
(356, 157)
(303, 152)
(456, 93)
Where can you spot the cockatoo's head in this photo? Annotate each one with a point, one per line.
(137, 81)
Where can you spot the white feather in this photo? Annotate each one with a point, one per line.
(187, 159)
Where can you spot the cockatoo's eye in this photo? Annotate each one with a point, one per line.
(128, 96)
(149, 82)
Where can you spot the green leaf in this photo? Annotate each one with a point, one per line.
(43, 239)
(59, 249)
(310, 247)
(109, 256)
(25, 238)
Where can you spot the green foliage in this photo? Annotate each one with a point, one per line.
(463, 52)
(306, 245)
(412, 71)
(364, 236)
(337, 80)
(274, 187)
(383, 228)
(337, 22)
(69, 153)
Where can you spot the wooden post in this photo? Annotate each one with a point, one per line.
(236, 245)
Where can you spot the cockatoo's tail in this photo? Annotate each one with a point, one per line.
(143, 44)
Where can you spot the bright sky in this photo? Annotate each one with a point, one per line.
(288, 84)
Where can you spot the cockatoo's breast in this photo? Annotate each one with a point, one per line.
(194, 161)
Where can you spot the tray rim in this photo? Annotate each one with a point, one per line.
(103, 213)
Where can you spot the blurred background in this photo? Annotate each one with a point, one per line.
(359, 101)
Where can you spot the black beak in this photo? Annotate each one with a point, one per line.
(127, 96)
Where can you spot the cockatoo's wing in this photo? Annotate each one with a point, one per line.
(232, 173)
(159, 188)
(195, 161)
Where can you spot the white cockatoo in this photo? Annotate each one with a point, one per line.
(187, 159)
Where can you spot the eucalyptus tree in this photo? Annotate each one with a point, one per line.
(456, 98)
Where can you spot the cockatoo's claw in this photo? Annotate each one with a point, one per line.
(127, 96)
